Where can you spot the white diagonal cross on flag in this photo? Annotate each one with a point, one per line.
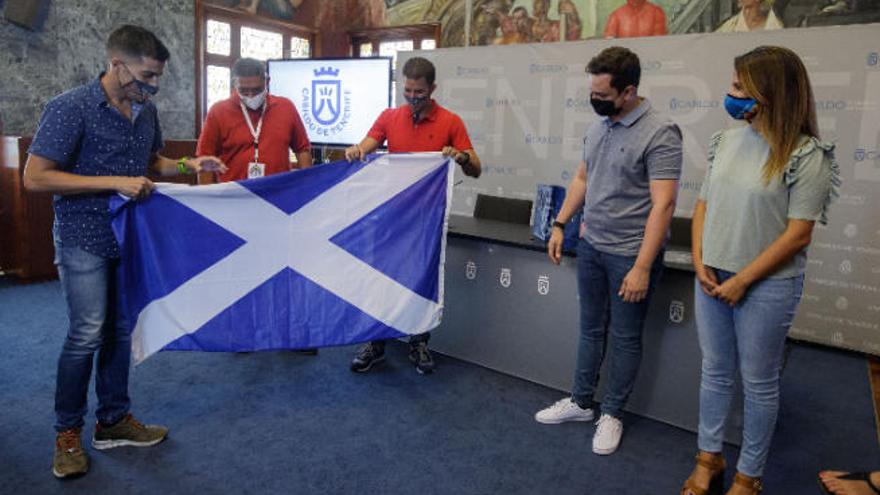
(300, 241)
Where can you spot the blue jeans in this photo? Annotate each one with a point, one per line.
(750, 336)
(88, 283)
(602, 312)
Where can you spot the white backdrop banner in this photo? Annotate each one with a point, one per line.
(526, 108)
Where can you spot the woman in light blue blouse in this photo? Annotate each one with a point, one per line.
(767, 183)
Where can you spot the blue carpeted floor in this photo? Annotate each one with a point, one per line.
(285, 423)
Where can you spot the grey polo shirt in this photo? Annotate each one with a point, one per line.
(622, 158)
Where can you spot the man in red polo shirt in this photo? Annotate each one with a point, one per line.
(636, 18)
(419, 125)
(252, 130)
(255, 131)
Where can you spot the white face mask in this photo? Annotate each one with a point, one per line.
(254, 102)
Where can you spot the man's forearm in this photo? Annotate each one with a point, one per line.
(58, 182)
(164, 166)
(574, 200)
(304, 159)
(368, 145)
(42, 175)
(655, 233)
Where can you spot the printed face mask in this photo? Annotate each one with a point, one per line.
(739, 107)
(416, 101)
(146, 90)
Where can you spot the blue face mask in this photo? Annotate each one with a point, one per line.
(739, 107)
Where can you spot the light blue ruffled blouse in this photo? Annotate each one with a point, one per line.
(744, 215)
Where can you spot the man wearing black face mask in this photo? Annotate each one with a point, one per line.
(627, 185)
(94, 141)
(419, 125)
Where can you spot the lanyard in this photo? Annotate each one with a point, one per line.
(254, 132)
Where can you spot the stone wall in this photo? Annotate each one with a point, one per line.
(67, 50)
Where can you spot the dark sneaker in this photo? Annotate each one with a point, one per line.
(421, 357)
(128, 432)
(368, 355)
(70, 459)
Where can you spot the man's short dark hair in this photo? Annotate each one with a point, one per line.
(137, 42)
(248, 67)
(621, 64)
(419, 68)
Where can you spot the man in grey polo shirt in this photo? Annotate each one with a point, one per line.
(627, 184)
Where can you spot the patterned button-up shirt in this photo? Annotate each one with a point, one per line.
(83, 134)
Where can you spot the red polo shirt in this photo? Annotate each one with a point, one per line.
(227, 136)
(437, 129)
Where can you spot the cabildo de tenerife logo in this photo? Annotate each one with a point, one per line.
(326, 106)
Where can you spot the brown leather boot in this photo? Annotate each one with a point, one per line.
(746, 484)
(715, 464)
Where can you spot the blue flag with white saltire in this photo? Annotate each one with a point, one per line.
(330, 255)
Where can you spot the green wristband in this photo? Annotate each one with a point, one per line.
(181, 166)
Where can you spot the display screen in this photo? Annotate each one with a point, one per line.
(337, 99)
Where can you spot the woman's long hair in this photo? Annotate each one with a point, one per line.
(778, 80)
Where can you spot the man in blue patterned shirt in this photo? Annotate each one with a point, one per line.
(94, 141)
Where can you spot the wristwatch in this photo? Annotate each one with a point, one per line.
(559, 225)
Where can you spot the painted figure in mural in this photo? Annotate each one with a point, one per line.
(753, 15)
(636, 18)
(839, 7)
(515, 28)
(543, 29)
(523, 22)
(546, 30)
(518, 27)
(573, 25)
(253, 5)
(862, 11)
(487, 21)
(343, 15)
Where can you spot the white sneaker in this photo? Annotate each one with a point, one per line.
(562, 411)
(607, 437)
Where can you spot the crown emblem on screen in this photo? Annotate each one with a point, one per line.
(326, 71)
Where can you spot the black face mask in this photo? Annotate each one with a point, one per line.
(605, 108)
